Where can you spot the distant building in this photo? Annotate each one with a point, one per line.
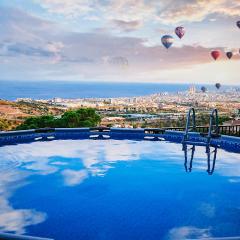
(24, 100)
(57, 100)
(192, 89)
(134, 100)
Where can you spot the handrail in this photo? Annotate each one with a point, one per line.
(231, 130)
(191, 111)
(213, 125)
(213, 130)
(214, 116)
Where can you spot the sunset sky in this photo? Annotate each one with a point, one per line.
(92, 40)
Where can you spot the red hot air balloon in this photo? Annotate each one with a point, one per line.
(229, 55)
(215, 54)
(180, 31)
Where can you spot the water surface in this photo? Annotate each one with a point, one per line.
(86, 189)
(11, 90)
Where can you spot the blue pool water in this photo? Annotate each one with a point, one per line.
(117, 189)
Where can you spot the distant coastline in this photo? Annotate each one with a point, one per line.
(11, 90)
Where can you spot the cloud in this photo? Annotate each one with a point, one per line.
(13, 49)
(15, 220)
(91, 48)
(83, 54)
(86, 155)
(18, 24)
(78, 160)
(198, 10)
(127, 26)
(72, 177)
(125, 10)
(25, 35)
(70, 8)
(188, 232)
(55, 53)
(141, 11)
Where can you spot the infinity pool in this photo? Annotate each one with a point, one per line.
(118, 189)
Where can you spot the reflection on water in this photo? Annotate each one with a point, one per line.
(11, 219)
(118, 190)
(211, 155)
(211, 162)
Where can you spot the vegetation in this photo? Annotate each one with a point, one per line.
(83, 117)
(38, 108)
(6, 124)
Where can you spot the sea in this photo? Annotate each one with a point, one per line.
(11, 90)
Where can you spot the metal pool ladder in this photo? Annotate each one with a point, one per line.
(213, 130)
(191, 116)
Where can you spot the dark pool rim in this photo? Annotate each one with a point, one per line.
(229, 143)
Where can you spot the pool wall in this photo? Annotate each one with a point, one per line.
(24, 136)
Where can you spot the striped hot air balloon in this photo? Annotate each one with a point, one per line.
(167, 41)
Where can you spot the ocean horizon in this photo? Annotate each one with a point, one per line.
(11, 90)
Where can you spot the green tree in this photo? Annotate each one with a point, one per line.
(83, 117)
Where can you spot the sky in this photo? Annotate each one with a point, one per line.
(103, 40)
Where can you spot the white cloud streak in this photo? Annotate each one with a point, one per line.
(33, 48)
(173, 11)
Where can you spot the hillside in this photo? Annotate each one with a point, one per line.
(13, 113)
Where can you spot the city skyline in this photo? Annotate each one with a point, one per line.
(81, 40)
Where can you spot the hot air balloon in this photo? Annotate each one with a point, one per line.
(217, 85)
(118, 61)
(203, 89)
(229, 54)
(167, 41)
(215, 54)
(180, 31)
(238, 23)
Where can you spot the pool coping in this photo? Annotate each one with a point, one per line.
(229, 143)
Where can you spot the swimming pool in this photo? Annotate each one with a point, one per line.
(118, 189)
